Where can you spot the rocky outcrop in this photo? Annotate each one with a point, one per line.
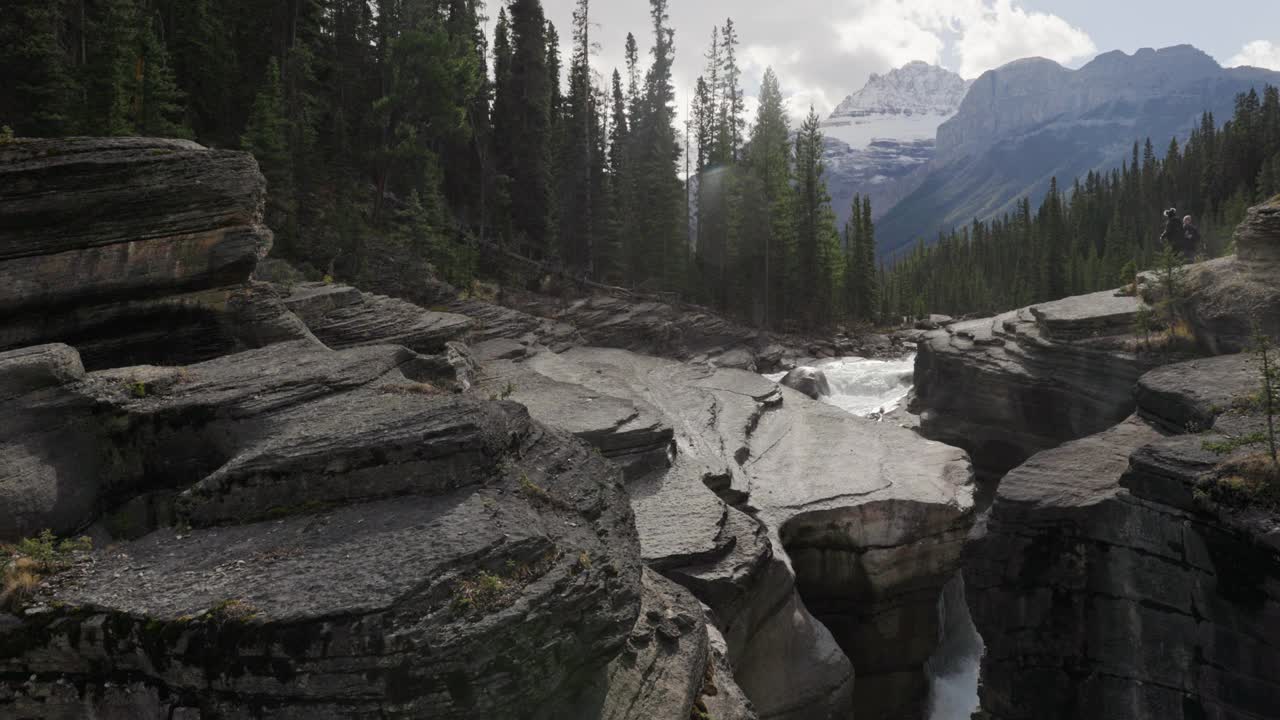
(670, 661)
(1129, 564)
(843, 510)
(1229, 296)
(1005, 388)
(134, 250)
(1109, 582)
(660, 326)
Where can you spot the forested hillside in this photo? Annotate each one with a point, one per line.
(1091, 236)
(395, 132)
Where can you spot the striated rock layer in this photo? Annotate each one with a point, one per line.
(134, 250)
(358, 549)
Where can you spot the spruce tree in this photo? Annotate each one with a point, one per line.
(578, 174)
(503, 120)
(159, 100)
(267, 137)
(532, 87)
(664, 254)
(769, 160)
(819, 266)
(732, 103)
(38, 96)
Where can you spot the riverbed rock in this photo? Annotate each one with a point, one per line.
(828, 495)
(809, 381)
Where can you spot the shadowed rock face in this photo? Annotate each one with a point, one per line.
(1106, 585)
(1113, 575)
(808, 497)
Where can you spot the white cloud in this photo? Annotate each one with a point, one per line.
(982, 34)
(1001, 33)
(884, 31)
(1259, 53)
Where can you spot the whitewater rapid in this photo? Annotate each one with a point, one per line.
(865, 387)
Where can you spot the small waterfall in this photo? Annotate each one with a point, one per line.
(953, 669)
(865, 387)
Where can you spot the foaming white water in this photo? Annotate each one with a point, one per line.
(863, 387)
(953, 669)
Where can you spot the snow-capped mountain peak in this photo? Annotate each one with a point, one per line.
(916, 88)
(880, 136)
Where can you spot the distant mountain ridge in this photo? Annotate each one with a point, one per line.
(1031, 120)
(880, 137)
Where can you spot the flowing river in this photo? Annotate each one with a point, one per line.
(865, 388)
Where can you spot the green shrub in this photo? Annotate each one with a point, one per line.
(25, 565)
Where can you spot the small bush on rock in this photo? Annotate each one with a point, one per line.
(25, 565)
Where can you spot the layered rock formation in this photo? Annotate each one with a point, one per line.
(1131, 570)
(654, 325)
(1228, 296)
(135, 250)
(293, 527)
(864, 519)
(328, 566)
(1106, 582)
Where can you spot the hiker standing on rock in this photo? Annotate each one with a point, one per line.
(1190, 239)
(1183, 236)
(1172, 229)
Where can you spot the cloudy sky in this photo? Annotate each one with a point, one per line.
(823, 50)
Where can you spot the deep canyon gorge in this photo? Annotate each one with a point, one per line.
(316, 500)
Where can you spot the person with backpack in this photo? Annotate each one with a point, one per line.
(1190, 239)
